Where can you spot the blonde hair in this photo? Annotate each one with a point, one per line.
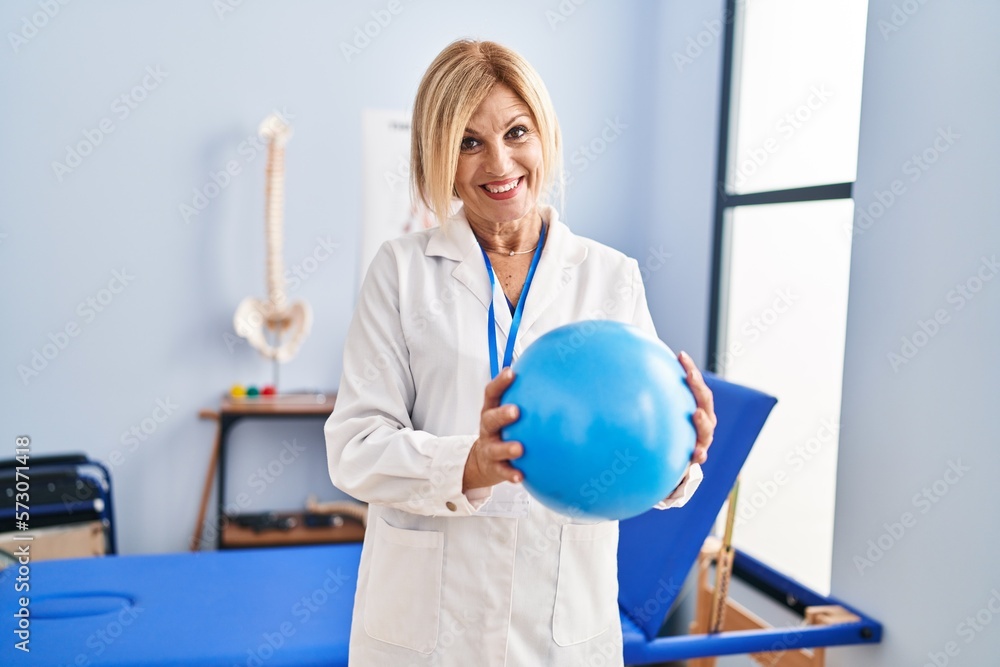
(453, 87)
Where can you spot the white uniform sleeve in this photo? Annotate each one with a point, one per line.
(373, 451)
(642, 319)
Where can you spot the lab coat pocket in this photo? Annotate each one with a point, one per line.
(403, 600)
(587, 589)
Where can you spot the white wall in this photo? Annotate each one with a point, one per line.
(924, 565)
(688, 59)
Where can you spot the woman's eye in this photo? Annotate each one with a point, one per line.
(517, 132)
(468, 144)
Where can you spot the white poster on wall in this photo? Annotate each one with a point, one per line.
(387, 209)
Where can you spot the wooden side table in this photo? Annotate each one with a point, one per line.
(231, 411)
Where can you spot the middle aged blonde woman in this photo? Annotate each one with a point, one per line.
(460, 566)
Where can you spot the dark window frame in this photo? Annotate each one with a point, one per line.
(726, 201)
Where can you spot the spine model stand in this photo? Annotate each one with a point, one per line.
(287, 324)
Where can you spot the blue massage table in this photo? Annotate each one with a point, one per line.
(284, 606)
(656, 551)
(292, 606)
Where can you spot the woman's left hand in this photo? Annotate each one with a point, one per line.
(704, 416)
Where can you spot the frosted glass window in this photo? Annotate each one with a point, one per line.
(796, 94)
(783, 333)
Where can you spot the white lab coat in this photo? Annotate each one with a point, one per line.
(493, 578)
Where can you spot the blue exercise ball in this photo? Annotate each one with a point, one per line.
(605, 419)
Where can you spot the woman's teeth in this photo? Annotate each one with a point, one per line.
(503, 188)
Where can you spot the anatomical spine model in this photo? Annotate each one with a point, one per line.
(288, 324)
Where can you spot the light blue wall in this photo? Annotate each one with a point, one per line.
(924, 564)
(685, 138)
(162, 337)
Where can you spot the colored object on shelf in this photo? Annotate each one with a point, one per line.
(605, 419)
(237, 391)
(252, 391)
(268, 390)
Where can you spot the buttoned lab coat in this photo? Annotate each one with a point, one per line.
(492, 577)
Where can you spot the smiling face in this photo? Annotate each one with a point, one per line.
(500, 175)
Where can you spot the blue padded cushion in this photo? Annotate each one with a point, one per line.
(656, 550)
(212, 608)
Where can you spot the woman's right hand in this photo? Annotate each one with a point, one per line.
(488, 462)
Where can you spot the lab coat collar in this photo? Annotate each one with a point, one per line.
(562, 252)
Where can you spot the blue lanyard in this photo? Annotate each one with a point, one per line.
(515, 321)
